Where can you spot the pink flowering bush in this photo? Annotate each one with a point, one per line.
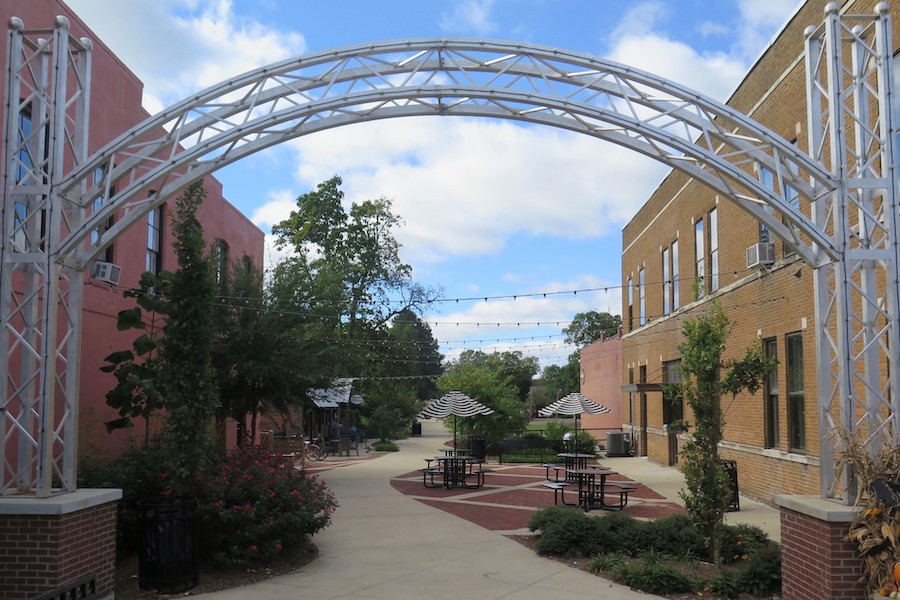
(253, 507)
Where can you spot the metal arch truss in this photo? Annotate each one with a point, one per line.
(849, 83)
(47, 99)
(740, 159)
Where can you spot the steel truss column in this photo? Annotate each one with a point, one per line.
(848, 62)
(45, 130)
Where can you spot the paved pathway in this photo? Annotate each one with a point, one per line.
(383, 545)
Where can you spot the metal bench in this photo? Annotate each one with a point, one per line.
(428, 475)
(479, 478)
(616, 487)
(559, 491)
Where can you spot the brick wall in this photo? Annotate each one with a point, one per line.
(816, 562)
(39, 553)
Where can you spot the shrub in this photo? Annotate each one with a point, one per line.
(252, 507)
(613, 565)
(546, 515)
(725, 585)
(738, 542)
(385, 446)
(616, 532)
(761, 575)
(571, 533)
(139, 474)
(658, 579)
(675, 535)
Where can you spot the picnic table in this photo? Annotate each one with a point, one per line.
(593, 489)
(454, 470)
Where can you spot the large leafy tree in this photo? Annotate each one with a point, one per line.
(174, 370)
(263, 355)
(412, 353)
(352, 254)
(560, 380)
(486, 382)
(513, 366)
(707, 376)
(588, 327)
(343, 287)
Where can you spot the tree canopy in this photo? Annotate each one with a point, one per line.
(588, 327)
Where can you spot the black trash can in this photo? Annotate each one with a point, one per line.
(169, 555)
(417, 429)
(730, 467)
(477, 447)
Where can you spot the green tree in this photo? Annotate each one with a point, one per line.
(186, 348)
(180, 378)
(354, 253)
(588, 327)
(560, 380)
(136, 395)
(487, 384)
(519, 370)
(413, 353)
(706, 378)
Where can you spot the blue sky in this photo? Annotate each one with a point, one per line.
(491, 209)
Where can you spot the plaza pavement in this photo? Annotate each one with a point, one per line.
(383, 545)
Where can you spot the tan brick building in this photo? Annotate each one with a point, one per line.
(687, 247)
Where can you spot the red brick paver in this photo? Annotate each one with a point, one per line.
(512, 493)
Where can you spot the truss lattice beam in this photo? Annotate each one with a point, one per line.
(47, 95)
(848, 64)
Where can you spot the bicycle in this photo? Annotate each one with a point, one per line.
(316, 450)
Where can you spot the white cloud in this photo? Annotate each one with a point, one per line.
(463, 187)
(637, 42)
(276, 209)
(469, 16)
(640, 41)
(760, 20)
(179, 46)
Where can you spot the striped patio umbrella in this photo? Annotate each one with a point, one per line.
(454, 404)
(573, 404)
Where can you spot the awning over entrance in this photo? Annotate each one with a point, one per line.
(338, 393)
(642, 387)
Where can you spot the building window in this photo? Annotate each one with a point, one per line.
(642, 295)
(770, 408)
(795, 390)
(713, 222)
(676, 284)
(154, 240)
(96, 205)
(221, 263)
(667, 282)
(673, 403)
(700, 258)
(630, 304)
(27, 235)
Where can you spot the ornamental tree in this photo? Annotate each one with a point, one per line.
(707, 376)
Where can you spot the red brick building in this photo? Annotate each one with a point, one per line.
(116, 107)
(601, 379)
(687, 247)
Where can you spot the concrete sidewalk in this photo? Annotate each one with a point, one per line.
(385, 546)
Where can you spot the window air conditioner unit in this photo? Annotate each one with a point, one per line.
(761, 254)
(105, 271)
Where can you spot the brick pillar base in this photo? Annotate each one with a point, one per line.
(47, 543)
(816, 563)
